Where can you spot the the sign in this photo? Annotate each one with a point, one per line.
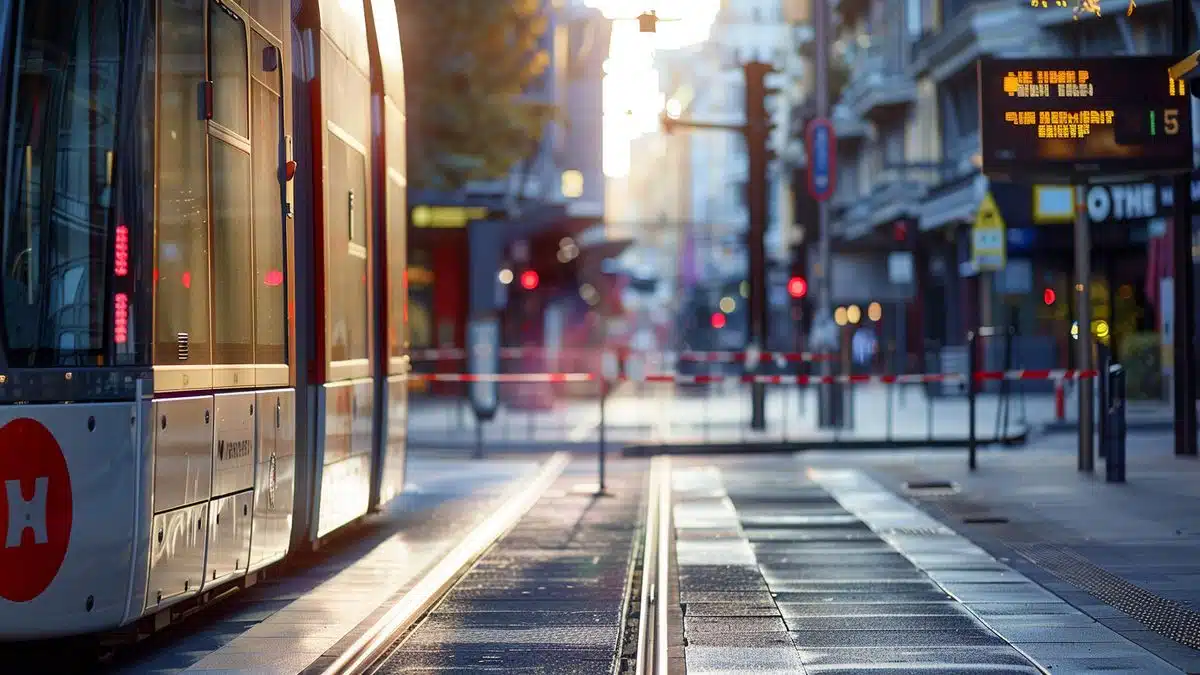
(36, 509)
(900, 267)
(483, 358)
(821, 144)
(446, 217)
(1121, 202)
(988, 240)
(1074, 118)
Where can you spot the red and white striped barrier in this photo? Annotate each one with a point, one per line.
(913, 378)
(459, 353)
(503, 377)
(675, 378)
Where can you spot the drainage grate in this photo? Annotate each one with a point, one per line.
(930, 488)
(1158, 614)
(985, 520)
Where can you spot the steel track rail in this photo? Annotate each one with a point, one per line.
(365, 653)
(652, 610)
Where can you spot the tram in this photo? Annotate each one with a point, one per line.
(203, 351)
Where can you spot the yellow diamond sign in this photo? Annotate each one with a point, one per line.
(989, 237)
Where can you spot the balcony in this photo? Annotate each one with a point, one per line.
(877, 86)
(896, 192)
(971, 29)
(958, 188)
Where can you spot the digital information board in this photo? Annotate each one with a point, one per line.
(1083, 117)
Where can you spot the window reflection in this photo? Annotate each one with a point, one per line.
(60, 134)
(181, 273)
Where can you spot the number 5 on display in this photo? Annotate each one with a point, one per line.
(1171, 121)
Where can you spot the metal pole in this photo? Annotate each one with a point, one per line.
(602, 451)
(824, 312)
(971, 368)
(1185, 331)
(1083, 311)
(478, 437)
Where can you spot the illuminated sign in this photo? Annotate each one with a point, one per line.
(1083, 117)
(446, 217)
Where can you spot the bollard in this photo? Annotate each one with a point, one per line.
(1060, 401)
(478, 437)
(1114, 461)
(1104, 396)
(971, 401)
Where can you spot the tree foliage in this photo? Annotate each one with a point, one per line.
(468, 65)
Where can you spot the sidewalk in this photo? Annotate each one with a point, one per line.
(1127, 555)
(787, 568)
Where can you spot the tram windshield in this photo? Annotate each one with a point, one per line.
(62, 75)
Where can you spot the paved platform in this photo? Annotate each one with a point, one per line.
(288, 624)
(547, 598)
(1126, 554)
(830, 573)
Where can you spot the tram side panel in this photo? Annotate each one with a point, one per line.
(345, 402)
(274, 479)
(183, 453)
(391, 184)
(72, 526)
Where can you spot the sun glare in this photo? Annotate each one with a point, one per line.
(632, 98)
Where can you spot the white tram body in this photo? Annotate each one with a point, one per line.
(204, 329)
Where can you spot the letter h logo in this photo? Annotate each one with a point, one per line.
(23, 515)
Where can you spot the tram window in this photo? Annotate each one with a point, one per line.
(233, 273)
(269, 265)
(229, 70)
(270, 13)
(346, 237)
(182, 279)
(59, 127)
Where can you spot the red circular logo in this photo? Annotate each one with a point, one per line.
(35, 509)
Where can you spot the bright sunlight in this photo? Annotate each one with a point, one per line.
(632, 100)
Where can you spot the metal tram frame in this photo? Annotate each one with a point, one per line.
(184, 481)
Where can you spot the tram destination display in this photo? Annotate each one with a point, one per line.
(1081, 117)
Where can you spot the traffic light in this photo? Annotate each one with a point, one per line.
(718, 320)
(1048, 296)
(648, 22)
(797, 287)
(529, 280)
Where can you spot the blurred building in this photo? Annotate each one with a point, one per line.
(910, 188)
(687, 190)
(468, 251)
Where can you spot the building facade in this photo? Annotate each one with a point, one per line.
(909, 181)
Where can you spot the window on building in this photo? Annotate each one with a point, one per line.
(913, 18)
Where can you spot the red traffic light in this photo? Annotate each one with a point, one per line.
(718, 320)
(529, 280)
(797, 287)
(1048, 296)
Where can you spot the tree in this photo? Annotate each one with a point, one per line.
(468, 68)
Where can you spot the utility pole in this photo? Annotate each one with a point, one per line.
(1185, 330)
(758, 133)
(824, 331)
